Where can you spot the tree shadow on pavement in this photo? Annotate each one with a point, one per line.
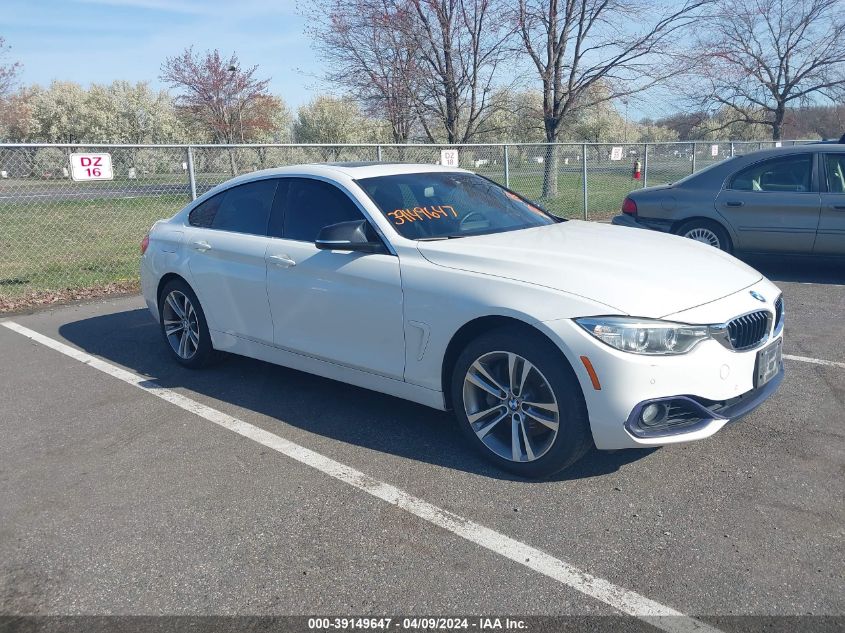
(318, 405)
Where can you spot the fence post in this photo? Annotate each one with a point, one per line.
(584, 177)
(645, 167)
(693, 159)
(732, 149)
(507, 169)
(378, 153)
(192, 180)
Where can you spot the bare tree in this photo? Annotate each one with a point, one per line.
(761, 56)
(366, 53)
(588, 52)
(460, 44)
(219, 96)
(815, 121)
(9, 71)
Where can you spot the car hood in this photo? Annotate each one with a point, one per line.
(634, 271)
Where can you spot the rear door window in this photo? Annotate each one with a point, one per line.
(784, 174)
(246, 208)
(241, 209)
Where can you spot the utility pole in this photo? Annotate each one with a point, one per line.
(625, 129)
(232, 70)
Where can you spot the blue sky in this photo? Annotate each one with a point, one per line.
(98, 41)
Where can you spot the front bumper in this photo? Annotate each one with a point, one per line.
(702, 414)
(721, 380)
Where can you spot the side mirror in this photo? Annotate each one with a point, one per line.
(349, 236)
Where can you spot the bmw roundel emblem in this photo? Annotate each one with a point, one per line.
(757, 296)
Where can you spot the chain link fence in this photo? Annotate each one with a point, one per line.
(57, 234)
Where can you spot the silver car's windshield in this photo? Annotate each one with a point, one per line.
(439, 205)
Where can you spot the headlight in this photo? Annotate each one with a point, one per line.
(644, 336)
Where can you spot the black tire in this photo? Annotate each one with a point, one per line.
(204, 350)
(573, 439)
(716, 229)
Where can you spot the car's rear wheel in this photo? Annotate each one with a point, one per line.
(519, 403)
(707, 232)
(183, 325)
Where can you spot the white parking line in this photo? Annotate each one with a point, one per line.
(815, 361)
(624, 600)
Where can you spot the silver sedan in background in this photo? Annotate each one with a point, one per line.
(783, 200)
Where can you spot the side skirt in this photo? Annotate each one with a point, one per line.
(252, 349)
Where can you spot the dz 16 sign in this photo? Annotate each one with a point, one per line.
(91, 167)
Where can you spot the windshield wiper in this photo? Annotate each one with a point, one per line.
(438, 238)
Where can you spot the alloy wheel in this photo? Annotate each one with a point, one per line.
(705, 235)
(511, 406)
(181, 325)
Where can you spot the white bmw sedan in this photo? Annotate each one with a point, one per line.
(546, 337)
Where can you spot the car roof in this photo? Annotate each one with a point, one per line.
(372, 169)
(330, 171)
(791, 149)
(354, 170)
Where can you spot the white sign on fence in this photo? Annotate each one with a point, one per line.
(91, 167)
(616, 153)
(449, 157)
(714, 150)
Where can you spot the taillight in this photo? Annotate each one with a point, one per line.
(145, 243)
(629, 206)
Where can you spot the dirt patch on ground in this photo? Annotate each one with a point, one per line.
(41, 299)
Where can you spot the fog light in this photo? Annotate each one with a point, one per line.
(668, 416)
(653, 414)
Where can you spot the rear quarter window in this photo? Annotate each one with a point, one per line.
(203, 214)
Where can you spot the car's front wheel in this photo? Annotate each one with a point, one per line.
(519, 403)
(183, 325)
(707, 232)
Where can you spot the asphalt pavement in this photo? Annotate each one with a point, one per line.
(115, 502)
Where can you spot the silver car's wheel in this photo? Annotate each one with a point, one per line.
(181, 324)
(511, 406)
(705, 235)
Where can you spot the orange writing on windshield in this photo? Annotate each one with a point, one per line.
(418, 214)
(530, 206)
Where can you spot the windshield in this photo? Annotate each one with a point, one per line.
(438, 205)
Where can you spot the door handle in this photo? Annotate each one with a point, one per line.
(201, 246)
(734, 203)
(283, 261)
(838, 207)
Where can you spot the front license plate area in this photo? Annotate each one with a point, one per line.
(769, 362)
